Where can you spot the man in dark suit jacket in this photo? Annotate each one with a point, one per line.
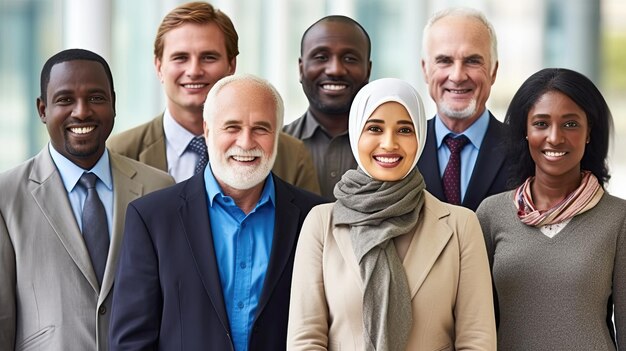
(460, 64)
(207, 264)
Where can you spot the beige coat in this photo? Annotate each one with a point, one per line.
(146, 143)
(447, 270)
(50, 298)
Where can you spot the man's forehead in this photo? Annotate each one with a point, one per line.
(334, 31)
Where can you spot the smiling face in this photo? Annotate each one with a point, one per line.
(458, 68)
(334, 65)
(78, 111)
(558, 131)
(241, 137)
(194, 58)
(388, 145)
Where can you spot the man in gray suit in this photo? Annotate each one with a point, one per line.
(57, 264)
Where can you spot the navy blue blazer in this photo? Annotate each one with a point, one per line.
(491, 171)
(168, 294)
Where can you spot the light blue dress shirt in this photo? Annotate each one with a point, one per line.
(71, 173)
(181, 163)
(243, 244)
(475, 133)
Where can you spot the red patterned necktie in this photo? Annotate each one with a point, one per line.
(452, 174)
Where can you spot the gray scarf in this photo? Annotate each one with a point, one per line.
(376, 213)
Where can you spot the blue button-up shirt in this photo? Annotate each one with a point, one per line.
(71, 173)
(475, 133)
(243, 244)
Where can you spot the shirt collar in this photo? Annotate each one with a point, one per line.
(177, 136)
(310, 125)
(475, 133)
(71, 173)
(213, 188)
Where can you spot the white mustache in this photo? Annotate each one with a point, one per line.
(237, 151)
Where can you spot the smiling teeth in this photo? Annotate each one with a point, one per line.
(81, 130)
(387, 159)
(456, 91)
(194, 86)
(243, 158)
(333, 87)
(554, 153)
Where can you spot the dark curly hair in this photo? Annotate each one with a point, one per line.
(585, 94)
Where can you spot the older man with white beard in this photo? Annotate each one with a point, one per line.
(463, 160)
(207, 263)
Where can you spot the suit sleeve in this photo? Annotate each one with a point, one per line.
(7, 289)
(474, 316)
(137, 299)
(308, 310)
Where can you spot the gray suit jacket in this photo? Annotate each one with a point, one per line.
(146, 143)
(50, 298)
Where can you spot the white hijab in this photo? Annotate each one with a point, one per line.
(377, 93)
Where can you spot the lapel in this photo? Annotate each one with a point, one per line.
(125, 190)
(153, 151)
(51, 197)
(428, 242)
(194, 216)
(428, 163)
(283, 244)
(488, 164)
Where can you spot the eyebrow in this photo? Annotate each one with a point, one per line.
(382, 121)
(231, 122)
(73, 92)
(186, 53)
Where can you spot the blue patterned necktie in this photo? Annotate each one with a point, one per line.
(198, 146)
(95, 226)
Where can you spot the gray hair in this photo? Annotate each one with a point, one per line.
(212, 101)
(467, 13)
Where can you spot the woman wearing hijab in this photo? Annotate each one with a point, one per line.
(557, 243)
(388, 266)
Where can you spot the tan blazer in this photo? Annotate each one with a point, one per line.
(146, 143)
(50, 298)
(447, 270)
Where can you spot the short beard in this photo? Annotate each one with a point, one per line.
(465, 113)
(240, 177)
(330, 109)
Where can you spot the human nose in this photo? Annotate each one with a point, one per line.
(335, 67)
(81, 109)
(388, 141)
(457, 73)
(555, 135)
(245, 139)
(194, 69)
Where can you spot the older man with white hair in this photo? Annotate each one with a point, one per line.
(207, 263)
(463, 160)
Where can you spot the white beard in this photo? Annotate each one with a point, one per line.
(238, 176)
(459, 114)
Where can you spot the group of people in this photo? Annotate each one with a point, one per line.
(359, 226)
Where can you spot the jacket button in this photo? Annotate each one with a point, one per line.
(102, 310)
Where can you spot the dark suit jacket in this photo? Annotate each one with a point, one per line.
(168, 294)
(491, 171)
(146, 143)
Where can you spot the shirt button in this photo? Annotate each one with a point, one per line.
(240, 305)
(102, 310)
(333, 174)
(242, 265)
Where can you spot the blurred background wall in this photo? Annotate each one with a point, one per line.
(585, 35)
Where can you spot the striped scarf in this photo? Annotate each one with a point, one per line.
(584, 198)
